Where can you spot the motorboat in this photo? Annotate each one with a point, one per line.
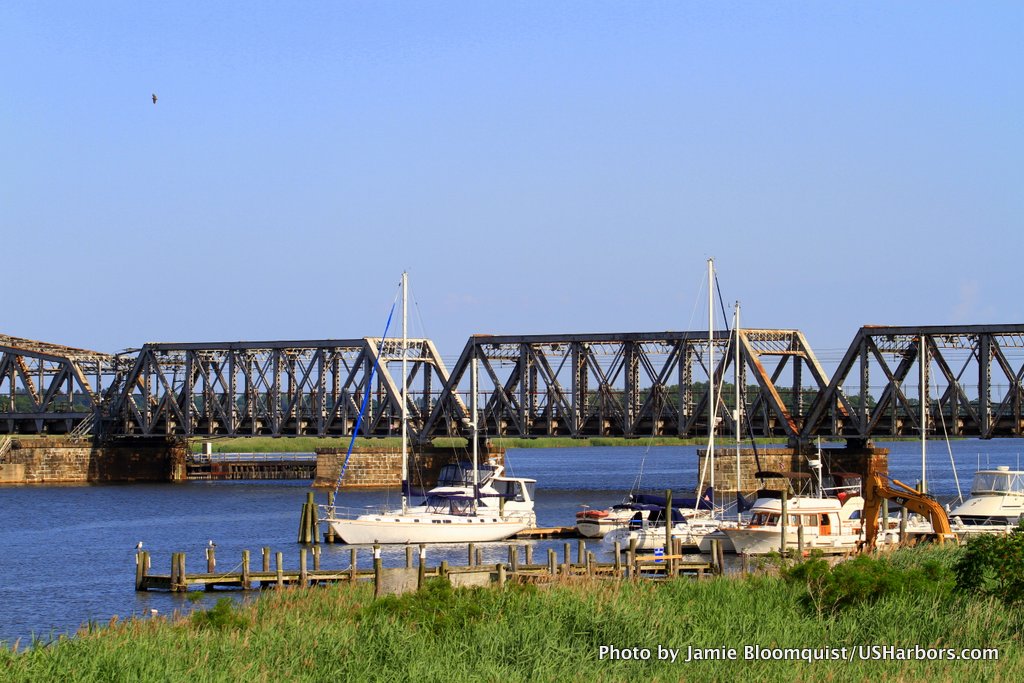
(994, 506)
(650, 514)
(830, 523)
(595, 523)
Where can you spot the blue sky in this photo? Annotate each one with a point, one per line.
(538, 167)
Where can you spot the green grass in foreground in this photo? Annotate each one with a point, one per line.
(541, 634)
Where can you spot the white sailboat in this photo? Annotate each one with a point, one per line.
(469, 504)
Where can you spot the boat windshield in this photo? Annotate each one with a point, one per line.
(764, 519)
(988, 483)
(462, 475)
(513, 490)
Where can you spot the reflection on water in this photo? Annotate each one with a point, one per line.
(67, 552)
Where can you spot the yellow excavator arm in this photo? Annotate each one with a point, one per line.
(877, 488)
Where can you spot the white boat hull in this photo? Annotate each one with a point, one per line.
(387, 529)
(762, 541)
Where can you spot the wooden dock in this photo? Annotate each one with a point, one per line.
(519, 567)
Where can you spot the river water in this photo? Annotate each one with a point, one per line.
(67, 553)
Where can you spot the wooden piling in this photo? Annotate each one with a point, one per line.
(551, 561)
(330, 506)
(140, 569)
(566, 557)
(316, 558)
(304, 524)
(715, 567)
(408, 557)
(211, 564)
(421, 573)
(443, 569)
(303, 573)
(529, 554)
(590, 563)
(353, 558)
(631, 558)
(246, 581)
(500, 568)
(266, 558)
(618, 558)
(784, 521)
(279, 566)
(581, 551)
(471, 548)
(378, 572)
(479, 557)
(668, 522)
(800, 539)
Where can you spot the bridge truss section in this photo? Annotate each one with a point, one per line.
(51, 389)
(279, 388)
(631, 385)
(971, 384)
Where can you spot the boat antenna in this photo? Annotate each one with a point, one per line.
(366, 399)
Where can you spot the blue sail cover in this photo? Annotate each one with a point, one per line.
(704, 503)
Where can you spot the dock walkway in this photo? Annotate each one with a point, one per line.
(397, 580)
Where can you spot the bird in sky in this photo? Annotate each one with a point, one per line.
(154, 98)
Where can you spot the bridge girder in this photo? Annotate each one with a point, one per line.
(281, 388)
(971, 384)
(48, 388)
(628, 384)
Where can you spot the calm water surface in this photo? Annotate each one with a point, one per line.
(67, 552)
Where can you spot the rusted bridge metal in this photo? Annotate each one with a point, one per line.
(631, 384)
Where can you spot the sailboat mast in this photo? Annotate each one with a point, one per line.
(738, 412)
(924, 414)
(711, 373)
(405, 406)
(476, 431)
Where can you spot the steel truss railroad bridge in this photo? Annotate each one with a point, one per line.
(630, 385)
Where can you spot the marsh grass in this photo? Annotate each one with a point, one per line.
(526, 633)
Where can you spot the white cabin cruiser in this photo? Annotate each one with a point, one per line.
(830, 523)
(994, 506)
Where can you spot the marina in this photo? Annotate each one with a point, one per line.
(95, 528)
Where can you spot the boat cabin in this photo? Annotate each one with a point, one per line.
(998, 482)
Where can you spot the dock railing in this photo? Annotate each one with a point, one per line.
(5, 448)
